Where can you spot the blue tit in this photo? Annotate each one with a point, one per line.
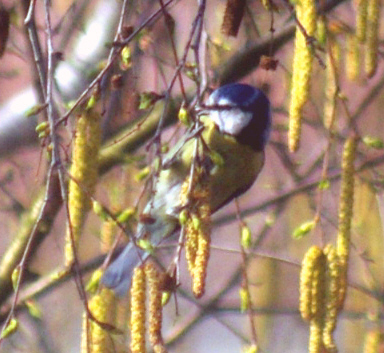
(236, 123)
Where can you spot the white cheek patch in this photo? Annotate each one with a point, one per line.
(231, 121)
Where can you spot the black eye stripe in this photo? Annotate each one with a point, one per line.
(227, 107)
(222, 107)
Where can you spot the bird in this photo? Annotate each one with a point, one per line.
(235, 124)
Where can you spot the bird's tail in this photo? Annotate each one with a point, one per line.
(119, 274)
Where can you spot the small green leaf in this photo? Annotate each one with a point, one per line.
(11, 328)
(190, 69)
(126, 58)
(196, 221)
(183, 217)
(58, 275)
(42, 126)
(184, 117)
(164, 148)
(324, 184)
(99, 210)
(91, 102)
(246, 237)
(321, 32)
(15, 277)
(36, 109)
(244, 300)
(165, 297)
(126, 215)
(33, 309)
(146, 245)
(142, 174)
(93, 283)
(42, 135)
(373, 142)
(148, 99)
(303, 229)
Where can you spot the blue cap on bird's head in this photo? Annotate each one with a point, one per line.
(242, 111)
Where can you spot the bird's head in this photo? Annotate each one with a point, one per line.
(242, 111)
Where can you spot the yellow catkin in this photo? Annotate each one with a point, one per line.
(83, 176)
(302, 67)
(345, 213)
(373, 340)
(138, 311)
(94, 338)
(372, 42)
(331, 298)
(197, 229)
(361, 20)
(102, 306)
(352, 64)
(331, 84)
(203, 212)
(191, 234)
(201, 263)
(315, 336)
(155, 308)
(191, 245)
(108, 231)
(312, 288)
(318, 288)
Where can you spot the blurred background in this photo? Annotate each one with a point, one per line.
(86, 35)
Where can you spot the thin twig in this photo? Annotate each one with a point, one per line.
(111, 60)
(173, 47)
(245, 278)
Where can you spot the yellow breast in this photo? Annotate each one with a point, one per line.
(240, 168)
